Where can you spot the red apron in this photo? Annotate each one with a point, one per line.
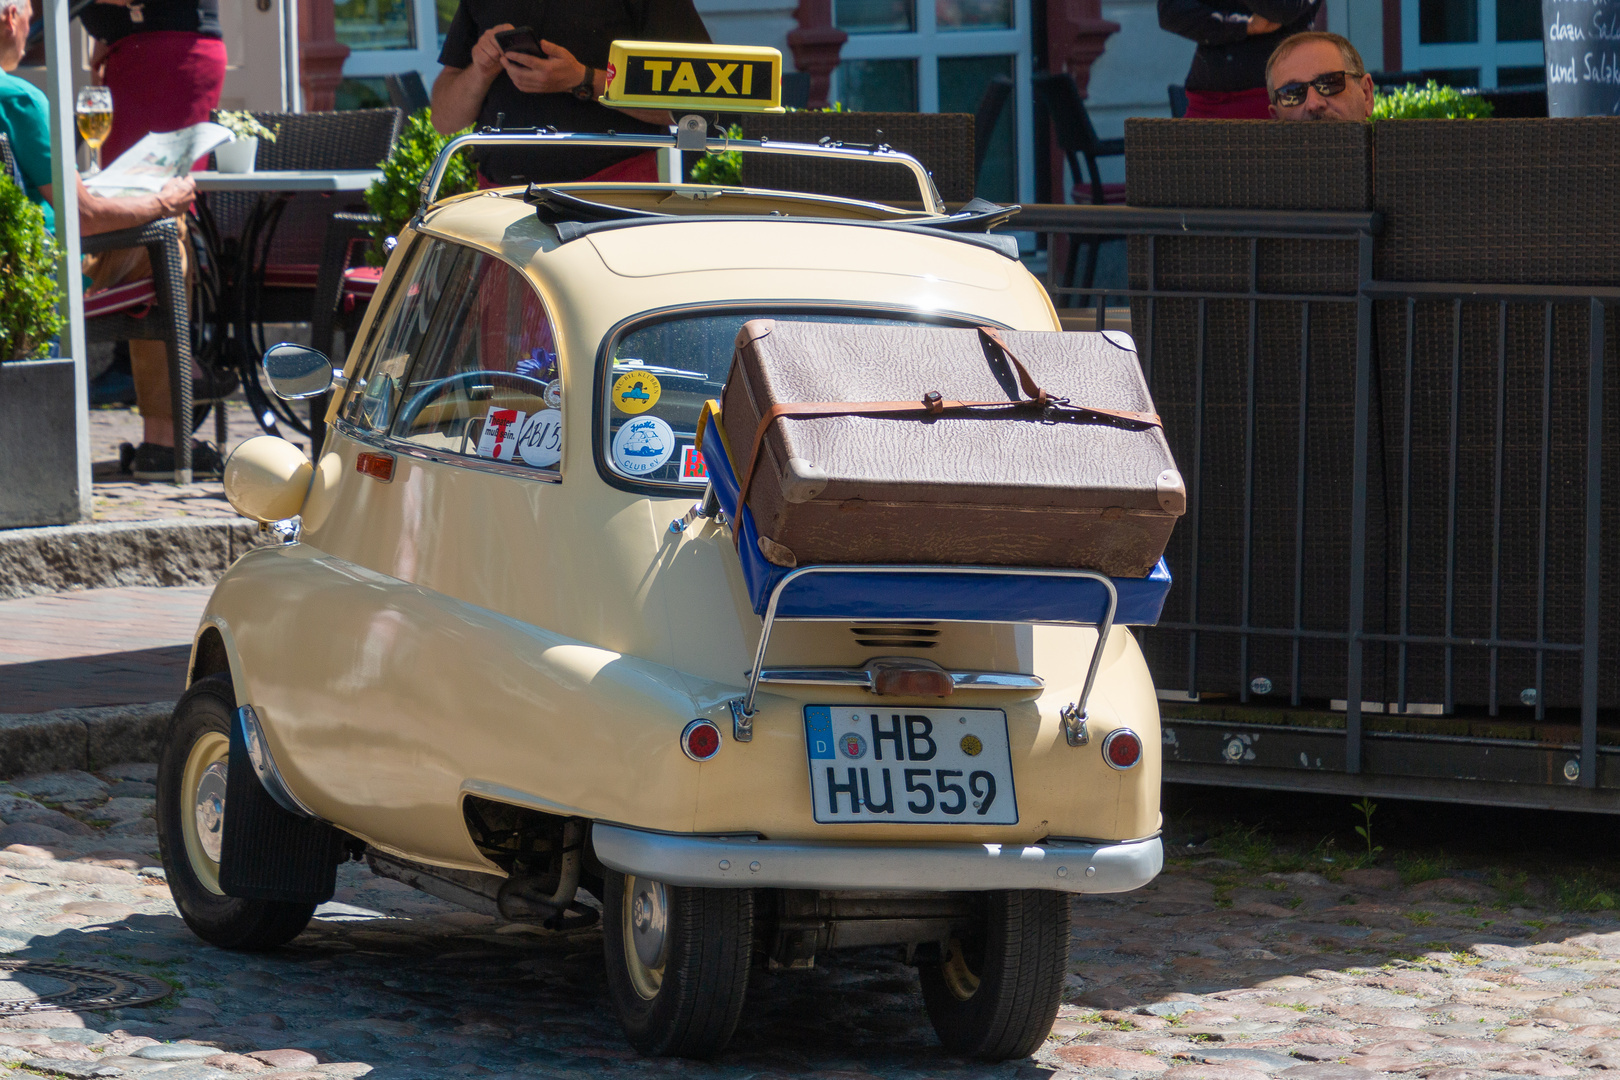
(1252, 104)
(162, 80)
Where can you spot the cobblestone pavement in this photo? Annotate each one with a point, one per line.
(118, 497)
(97, 647)
(1216, 972)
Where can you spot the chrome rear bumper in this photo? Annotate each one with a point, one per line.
(740, 862)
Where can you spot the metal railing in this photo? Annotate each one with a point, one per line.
(1447, 415)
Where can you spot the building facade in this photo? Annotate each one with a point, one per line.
(891, 55)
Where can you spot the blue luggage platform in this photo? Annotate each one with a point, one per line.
(905, 593)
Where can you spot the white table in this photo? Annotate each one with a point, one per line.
(291, 180)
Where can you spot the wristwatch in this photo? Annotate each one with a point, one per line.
(586, 90)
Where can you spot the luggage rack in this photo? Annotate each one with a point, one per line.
(909, 593)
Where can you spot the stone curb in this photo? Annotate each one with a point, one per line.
(61, 558)
(86, 739)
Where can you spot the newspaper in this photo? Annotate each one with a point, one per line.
(159, 157)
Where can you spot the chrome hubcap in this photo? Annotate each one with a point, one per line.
(209, 808)
(646, 933)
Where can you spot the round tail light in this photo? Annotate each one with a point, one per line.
(1122, 748)
(700, 740)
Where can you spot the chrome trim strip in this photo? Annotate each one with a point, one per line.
(726, 861)
(1073, 714)
(264, 764)
(465, 461)
(925, 184)
(964, 680)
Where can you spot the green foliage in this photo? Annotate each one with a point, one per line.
(1586, 891)
(1367, 806)
(1416, 867)
(724, 169)
(244, 125)
(1430, 102)
(28, 290)
(394, 198)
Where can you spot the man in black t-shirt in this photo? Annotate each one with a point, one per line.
(480, 82)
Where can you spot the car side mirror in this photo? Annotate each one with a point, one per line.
(295, 372)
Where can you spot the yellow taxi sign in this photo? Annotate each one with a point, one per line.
(673, 75)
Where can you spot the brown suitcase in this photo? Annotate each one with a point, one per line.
(855, 466)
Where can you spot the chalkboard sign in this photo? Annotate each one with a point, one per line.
(1582, 41)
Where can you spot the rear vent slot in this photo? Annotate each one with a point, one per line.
(896, 636)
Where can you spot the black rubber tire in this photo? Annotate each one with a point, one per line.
(230, 922)
(705, 978)
(1019, 954)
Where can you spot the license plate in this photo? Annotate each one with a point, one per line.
(936, 766)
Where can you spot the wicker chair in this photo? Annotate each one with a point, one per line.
(986, 117)
(157, 308)
(9, 163)
(406, 92)
(354, 139)
(1079, 142)
(943, 142)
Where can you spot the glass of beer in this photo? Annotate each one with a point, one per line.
(94, 111)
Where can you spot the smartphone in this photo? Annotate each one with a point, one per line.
(521, 40)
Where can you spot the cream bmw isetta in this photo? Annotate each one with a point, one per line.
(510, 649)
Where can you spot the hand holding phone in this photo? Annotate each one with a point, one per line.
(523, 40)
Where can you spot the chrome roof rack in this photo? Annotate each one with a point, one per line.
(689, 137)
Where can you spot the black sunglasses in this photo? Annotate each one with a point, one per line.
(1327, 85)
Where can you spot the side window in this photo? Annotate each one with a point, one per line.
(484, 381)
(414, 296)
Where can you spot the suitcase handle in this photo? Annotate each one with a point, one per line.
(933, 404)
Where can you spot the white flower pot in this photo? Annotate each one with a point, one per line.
(238, 156)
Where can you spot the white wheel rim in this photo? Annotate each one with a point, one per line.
(645, 922)
(202, 806)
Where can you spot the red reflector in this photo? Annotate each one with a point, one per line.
(1122, 748)
(700, 740)
(377, 466)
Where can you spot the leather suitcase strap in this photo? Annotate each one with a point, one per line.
(932, 404)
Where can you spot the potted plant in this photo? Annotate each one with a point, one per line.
(239, 155)
(394, 197)
(38, 442)
(28, 291)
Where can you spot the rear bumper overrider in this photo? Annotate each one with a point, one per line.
(1075, 866)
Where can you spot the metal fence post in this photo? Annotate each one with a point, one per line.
(1358, 507)
(1594, 549)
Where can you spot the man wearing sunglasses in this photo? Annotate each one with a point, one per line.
(1318, 76)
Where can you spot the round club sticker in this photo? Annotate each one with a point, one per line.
(540, 440)
(642, 446)
(636, 392)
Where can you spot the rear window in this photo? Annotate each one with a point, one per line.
(658, 377)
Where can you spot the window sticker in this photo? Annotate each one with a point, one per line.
(539, 442)
(642, 446)
(693, 471)
(636, 392)
(499, 439)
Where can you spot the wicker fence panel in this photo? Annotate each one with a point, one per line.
(1256, 165)
(1512, 202)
